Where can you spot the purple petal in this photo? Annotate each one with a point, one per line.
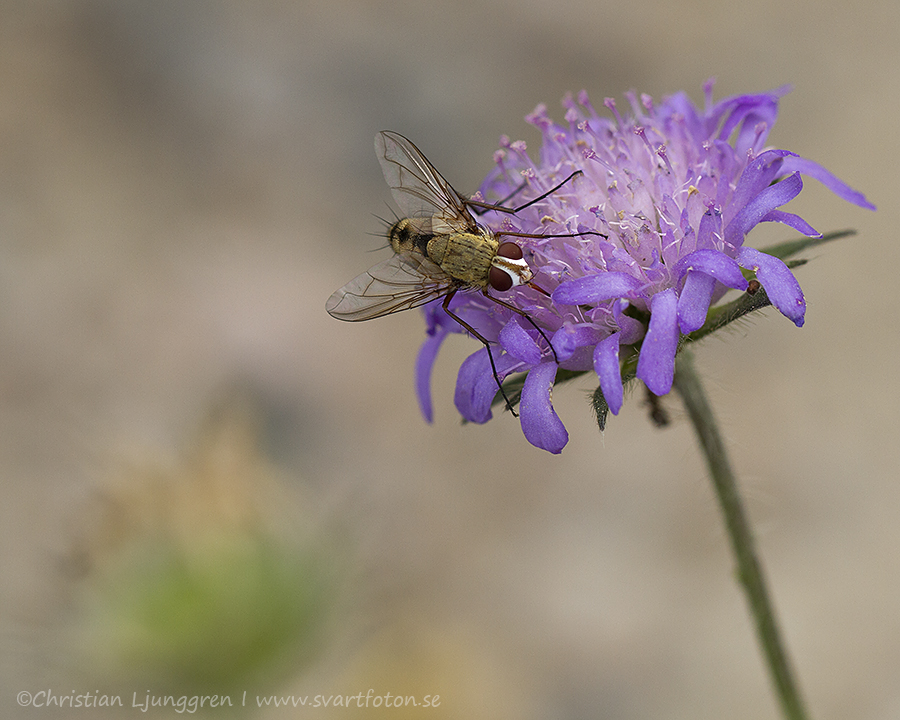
(476, 385)
(571, 336)
(710, 227)
(596, 288)
(518, 343)
(632, 330)
(682, 106)
(436, 319)
(754, 211)
(761, 172)
(780, 284)
(606, 365)
(486, 386)
(424, 365)
(540, 423)
(470, 371)
(693, 302)
(703, 268)
(715, 264)
(792, 220)
(838, 187)
(749, 111)
(656, 363)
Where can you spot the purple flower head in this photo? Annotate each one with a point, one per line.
(669, 192)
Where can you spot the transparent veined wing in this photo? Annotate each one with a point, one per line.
(418, 188)
(401, 282)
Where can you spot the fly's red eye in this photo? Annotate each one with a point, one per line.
(499, 279)
(510, 250)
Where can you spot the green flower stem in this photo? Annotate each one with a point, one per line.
(749, 569)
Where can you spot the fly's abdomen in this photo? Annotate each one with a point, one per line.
(410, 235)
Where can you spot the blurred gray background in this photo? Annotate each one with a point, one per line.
(183, 184)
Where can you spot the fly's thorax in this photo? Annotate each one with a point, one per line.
(464, 256)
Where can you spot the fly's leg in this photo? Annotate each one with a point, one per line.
(479, 208)
(526, 316)
(484, 207)
(554, 235)
(472, 331)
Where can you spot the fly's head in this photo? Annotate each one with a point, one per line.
(508, 268)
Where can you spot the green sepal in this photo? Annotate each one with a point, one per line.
(600, 408)
(784, 250)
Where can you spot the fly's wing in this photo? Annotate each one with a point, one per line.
(401, 282)
(418, 188)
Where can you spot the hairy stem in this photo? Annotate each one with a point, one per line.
(749, 568)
